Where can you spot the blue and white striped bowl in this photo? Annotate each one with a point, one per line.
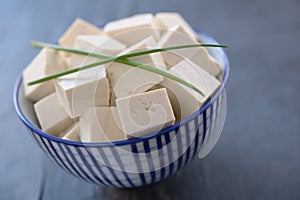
(140, 161)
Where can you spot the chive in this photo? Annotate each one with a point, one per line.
(70, 71)
(140, 53)
(37, 44)
(120, 59)
(163, 73)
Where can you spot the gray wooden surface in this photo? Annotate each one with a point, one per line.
(258, 154)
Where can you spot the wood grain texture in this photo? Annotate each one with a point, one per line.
(258, 154)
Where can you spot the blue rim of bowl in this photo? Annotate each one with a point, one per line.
(133, 140)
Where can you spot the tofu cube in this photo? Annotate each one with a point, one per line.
(126, 80)
(173, 37)
(167, 20)
(78, 27)
(100, 124)
(133, 29)
(47, 62)
(96, 44)
(186, 101)
(72, 133)
(178, 36)
(206, 62)
(145, 113)
(78, 91)
(52, 117)
(173, 100)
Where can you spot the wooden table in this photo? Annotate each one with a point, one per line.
(258, 154)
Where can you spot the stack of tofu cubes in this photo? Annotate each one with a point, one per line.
(115, 101)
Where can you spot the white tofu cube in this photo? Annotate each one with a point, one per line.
(173, 37)
(78, 91)
(178, 36)
(145, 113)
(72, 133)
(78, 27)
(167, 20)
(133, 29)
(47, 62)
(100, 124)
(96, 44)
(52, 117)
(67, 60)
(126, 80)
(173, 100)
(206, 62)
(186, 101)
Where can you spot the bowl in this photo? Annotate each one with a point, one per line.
(139, 161)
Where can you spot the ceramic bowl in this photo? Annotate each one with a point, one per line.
(140, 161)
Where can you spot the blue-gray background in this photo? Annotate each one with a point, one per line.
(258, 154)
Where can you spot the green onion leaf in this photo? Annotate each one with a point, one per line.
(120, 59)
